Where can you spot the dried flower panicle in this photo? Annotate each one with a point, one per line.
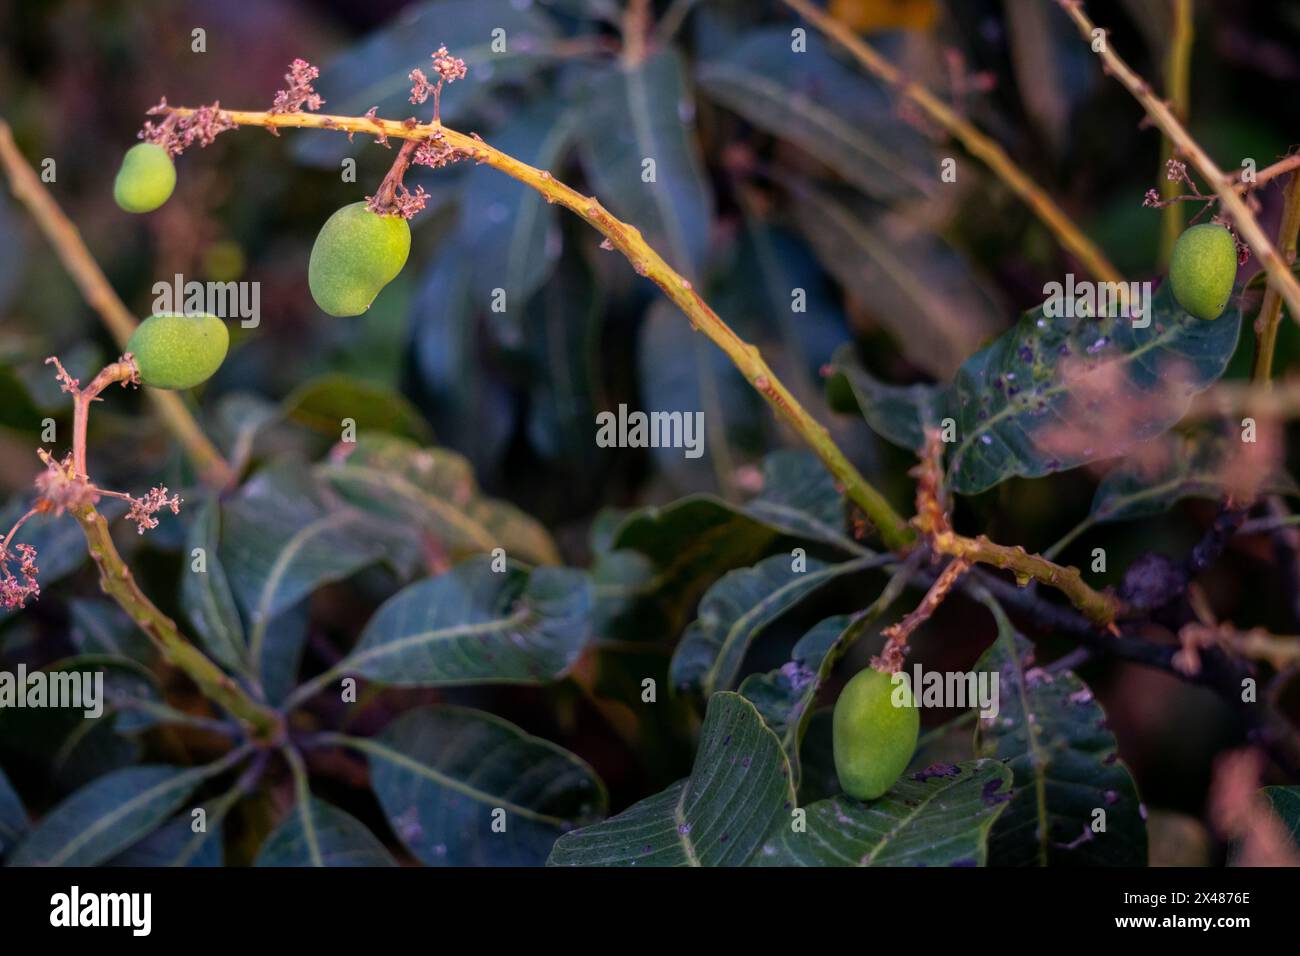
(298, 93)
(176, 133)
(61, 488)
(447, 68)
(404, 203)
(143, 509)
(435, 152)
(18, 572)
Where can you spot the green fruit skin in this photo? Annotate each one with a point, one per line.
(146, 179)
(1202, 270)
(179, 351)
(873, 739)
(356, 254)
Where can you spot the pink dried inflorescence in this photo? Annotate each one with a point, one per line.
(176, 133)
(61, 488)
(298, 93)
(435, 152)
(447, 68)
(403, 203)
(18, 572)
(143, 509)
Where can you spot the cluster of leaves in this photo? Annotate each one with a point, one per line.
(697, 639)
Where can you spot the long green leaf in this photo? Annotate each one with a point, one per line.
(463, 787)
(938, 817)
(319, 834)
(475, 625)
(738, 791)
(1074, 801)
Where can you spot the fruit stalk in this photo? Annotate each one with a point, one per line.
(95, 289)
(1069, 235)
(1278, 269)
(647, 262)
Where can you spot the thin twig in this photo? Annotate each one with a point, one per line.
(1270, 310)
(1178, 72)
(976, 143)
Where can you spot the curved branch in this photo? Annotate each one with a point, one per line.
(646, 261)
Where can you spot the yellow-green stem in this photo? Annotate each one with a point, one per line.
(119, 583)
(647, 262)
(1270, 310)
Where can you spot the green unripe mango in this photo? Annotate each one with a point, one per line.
(146, 179)
(1202, 269)
(873, 739)
(356, 254)
(179, 351)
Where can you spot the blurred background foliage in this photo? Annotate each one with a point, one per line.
(768, 180)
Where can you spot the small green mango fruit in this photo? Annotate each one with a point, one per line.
(356, 254)
(178, 351)
(146, 179)
(873, 739)
(1202, 269)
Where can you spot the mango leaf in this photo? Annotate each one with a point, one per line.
(317, 833)
(176, 844)
(280, 543)
(562, 337)
(1285, 802)
(511, 232)
(1052, 733)
(738, 791)
(682, 371)
(898, 413)
(470, 404)
(837, 114)
(206, 596)
(474, 625)
(1029, 404)
(639, 152)
(323, 404)
(737, 609)
(1172, 467)
(463, 787)
(661, 559)
(912, 283)
(434, 490)
(938, 817)
(13, 818)
(375, 71)
(108, 815)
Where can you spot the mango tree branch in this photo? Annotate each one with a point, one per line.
(1067, 233)
(97, 292)
(118, 583)
(627, 240)
(1273, 263)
